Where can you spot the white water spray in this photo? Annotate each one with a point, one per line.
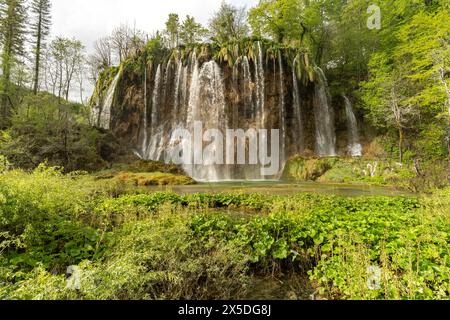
(354, 144)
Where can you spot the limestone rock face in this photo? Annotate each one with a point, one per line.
(256, 88)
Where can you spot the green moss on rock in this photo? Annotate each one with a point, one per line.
(301, 169)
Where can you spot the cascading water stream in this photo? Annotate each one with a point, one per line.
(324, 118)
(184, 88)
(207, 89)
(248, 96)
(297, 109)
(156, 98)
(282, 110)
(165, 86)
(194, 94)
(152, 149)
(145, 128)
(105, 114)
(260, 86)
(236, 91)
(177, 89)
(354, 144)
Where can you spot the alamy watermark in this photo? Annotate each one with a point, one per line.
(73, 278)
(231, 147)
(374, 20)
(374, 278)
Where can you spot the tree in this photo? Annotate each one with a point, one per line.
(45, 129)
(12, 30)
(127, 41)
(425, 48)
(386, 99)
(66, 55)
(173, 30)
(103, 52)
(72, 62)
(191, 31)
(40, 27)
(229, 24)
(408, 86)
(80, 70)
(101, 59)
(276, 19)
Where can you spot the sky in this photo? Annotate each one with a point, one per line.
(88, 20)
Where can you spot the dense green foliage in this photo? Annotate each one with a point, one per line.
(136, 245)
(41, 10)
(398, 72)
(45, 128)
(408, 88)
(13, 32)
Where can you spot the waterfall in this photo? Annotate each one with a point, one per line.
(213, 84)
(297, 110)
(354, 144)
(184, 88)
(156, 98)
(260, 86)
(145, 129)
(324, 118)
(105, 113)
(254, 93)
(247, 88)
(236, 91)
(153, 147)
(282, 109)
(207, 104)
(194, 94)
(177, 89)
(166, 80)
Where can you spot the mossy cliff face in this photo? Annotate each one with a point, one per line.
(301, 169)
(247, 85)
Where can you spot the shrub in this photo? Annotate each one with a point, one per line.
(153, 179)
(301, 169)
(151, 259)
(44, 209)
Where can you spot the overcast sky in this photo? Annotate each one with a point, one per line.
(87, 20)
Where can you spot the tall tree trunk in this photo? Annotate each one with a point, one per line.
(447, 91)
(81, 88)
(6, 77)
(400, 143)
(38, 56)
(60, 89)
